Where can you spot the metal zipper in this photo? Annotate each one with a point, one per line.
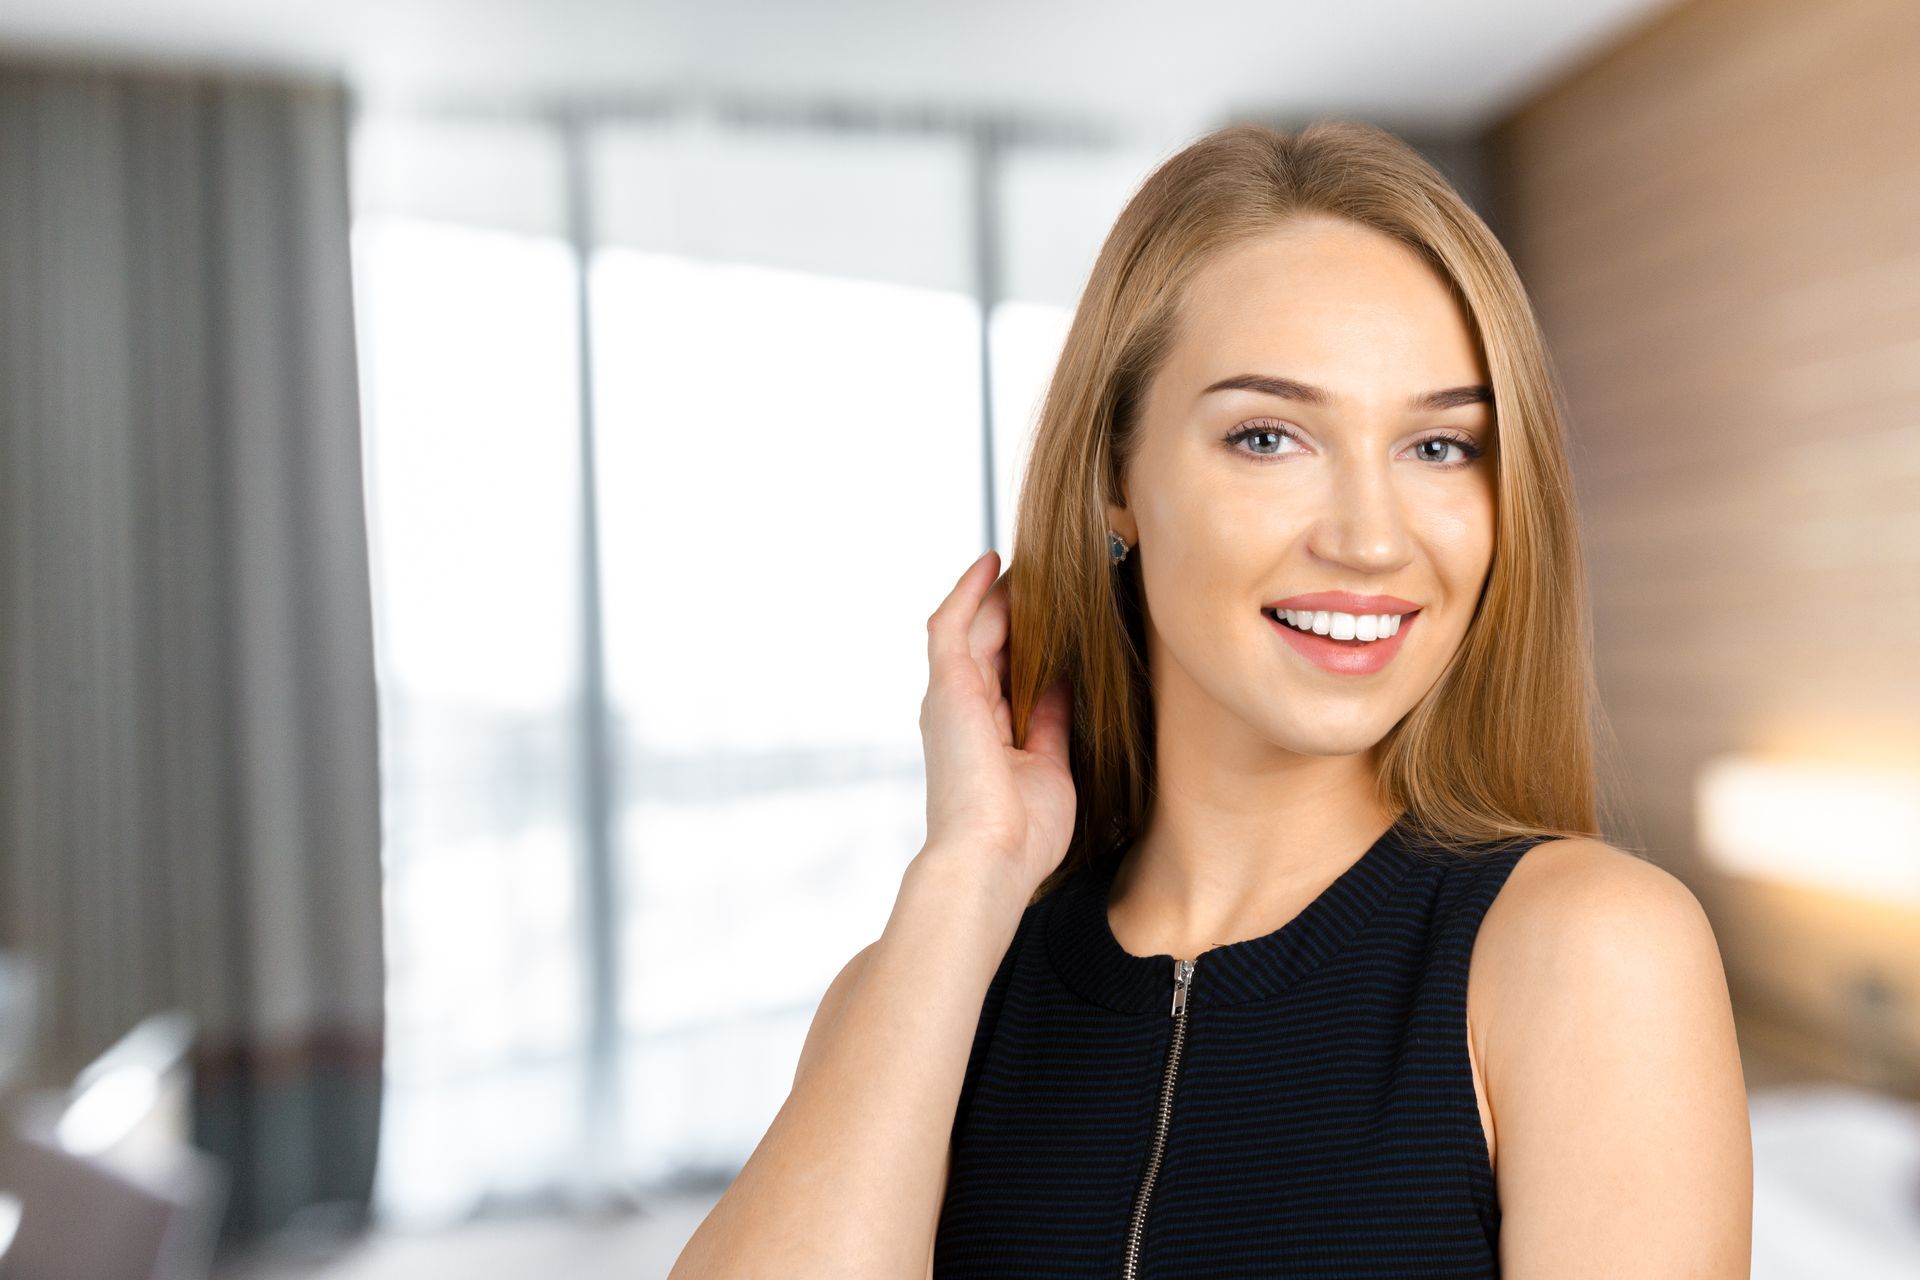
(1182, 979)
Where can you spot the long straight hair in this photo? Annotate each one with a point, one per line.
(1503, 744)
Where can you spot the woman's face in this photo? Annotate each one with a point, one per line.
(1335, 475)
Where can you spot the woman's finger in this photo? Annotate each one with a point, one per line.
(947, 625)
(987, 632)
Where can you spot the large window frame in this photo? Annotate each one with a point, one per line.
(988, 140)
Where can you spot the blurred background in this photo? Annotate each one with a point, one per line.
(474, 476)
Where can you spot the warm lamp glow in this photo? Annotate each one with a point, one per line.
(1852, 829)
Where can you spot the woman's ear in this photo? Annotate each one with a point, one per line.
(1119, 519)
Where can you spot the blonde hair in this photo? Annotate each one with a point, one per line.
(1503, 745)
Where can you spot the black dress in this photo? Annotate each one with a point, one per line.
(1299, 1104)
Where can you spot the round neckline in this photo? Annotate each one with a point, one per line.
(1089, 958)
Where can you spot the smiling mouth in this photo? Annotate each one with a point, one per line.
(1348, 657)
(1303, 624)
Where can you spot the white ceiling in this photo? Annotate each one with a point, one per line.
(1406, 63)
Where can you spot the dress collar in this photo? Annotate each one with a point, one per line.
(1090, 960)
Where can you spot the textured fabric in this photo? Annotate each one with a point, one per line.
(1322, 1118)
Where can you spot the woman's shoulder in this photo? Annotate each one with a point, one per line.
(1566, 893)
(1567, 914)
(1600, 1014)
(1574, 914)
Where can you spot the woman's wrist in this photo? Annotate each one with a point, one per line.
(987, 884)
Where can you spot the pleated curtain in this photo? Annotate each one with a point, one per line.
(189, 781)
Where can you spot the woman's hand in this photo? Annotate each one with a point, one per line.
(1014, 805)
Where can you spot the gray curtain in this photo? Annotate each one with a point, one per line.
(188, 743)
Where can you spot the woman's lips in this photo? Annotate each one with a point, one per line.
(1344, 657)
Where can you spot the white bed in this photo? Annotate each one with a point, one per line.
(1836, 1184)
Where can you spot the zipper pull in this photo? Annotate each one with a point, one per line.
(1182, 979)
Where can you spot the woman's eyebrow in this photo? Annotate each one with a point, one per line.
(1307, 393)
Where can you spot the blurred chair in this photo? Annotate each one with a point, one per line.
(99, 1182)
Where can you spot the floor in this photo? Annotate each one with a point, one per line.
(641, 1247)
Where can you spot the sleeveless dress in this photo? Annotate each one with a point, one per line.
(1294, 1105)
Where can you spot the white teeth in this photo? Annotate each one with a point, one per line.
(1344, 626)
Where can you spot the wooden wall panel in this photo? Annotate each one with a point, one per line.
(1718, 219)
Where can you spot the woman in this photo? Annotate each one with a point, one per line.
(1298, 955)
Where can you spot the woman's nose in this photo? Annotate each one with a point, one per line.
(1364, 523)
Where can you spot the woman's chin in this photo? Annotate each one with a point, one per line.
(1351, 736)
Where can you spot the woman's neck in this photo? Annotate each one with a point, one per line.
(1228, 853)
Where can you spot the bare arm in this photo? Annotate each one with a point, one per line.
(830, 1005)
(849, 1178)
(1624, 1148)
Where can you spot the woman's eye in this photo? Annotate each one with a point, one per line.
(1468, 449)
(1267, 439)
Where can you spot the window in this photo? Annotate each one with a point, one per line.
(787, 415)
(651, 662)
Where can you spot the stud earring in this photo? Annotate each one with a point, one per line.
(1116, 547)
